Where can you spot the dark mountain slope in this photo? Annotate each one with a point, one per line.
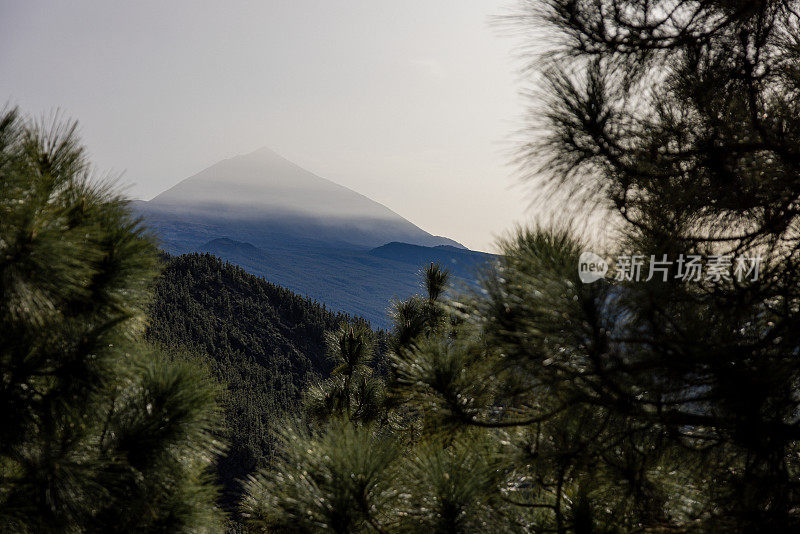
(204, 302)
(263, 341)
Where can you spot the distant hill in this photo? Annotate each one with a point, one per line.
(263, 341)
(362, 283)
(460, 262)
(264, 199)
(303, 232)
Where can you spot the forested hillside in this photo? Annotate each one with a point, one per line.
(261, 340)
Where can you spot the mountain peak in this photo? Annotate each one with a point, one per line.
(264, 151)
(264, 154)
(271, 195)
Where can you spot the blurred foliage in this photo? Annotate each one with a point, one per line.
(543, 404)
(98, 431)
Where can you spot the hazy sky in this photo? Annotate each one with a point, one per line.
(411, 103)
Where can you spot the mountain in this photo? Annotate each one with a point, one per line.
(306, 233)
(362, 283)
(264, 199)
(462, 263)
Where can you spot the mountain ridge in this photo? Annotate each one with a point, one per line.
(363, 283)
(266, 214)
(265, 191)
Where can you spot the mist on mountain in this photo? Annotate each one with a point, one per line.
(304, 232)
(264, 199)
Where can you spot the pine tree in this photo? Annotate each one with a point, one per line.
(361, 462)
(99, 432)
(667, 403)
(351, 392)
(331, 473)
